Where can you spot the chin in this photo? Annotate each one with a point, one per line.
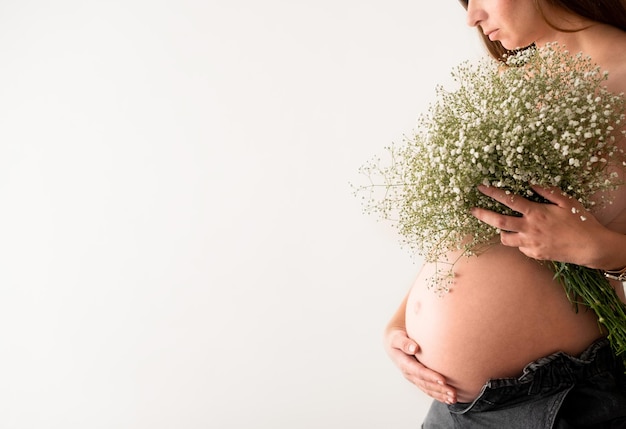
(509, 46)
(514, 46)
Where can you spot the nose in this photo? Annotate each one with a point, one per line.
(475, 15)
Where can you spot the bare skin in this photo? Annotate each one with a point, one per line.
(504, 309)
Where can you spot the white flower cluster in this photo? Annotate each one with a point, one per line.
(544, 119)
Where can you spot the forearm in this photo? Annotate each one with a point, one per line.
(609, 251)
(610, 255)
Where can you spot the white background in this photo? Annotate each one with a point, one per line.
(179, 243)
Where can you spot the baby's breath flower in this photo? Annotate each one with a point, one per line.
(545, 120)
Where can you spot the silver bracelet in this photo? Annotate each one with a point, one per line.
(619, 275)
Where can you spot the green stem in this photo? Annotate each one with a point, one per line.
(589, 287)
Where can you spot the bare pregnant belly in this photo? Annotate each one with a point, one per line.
(503, 311)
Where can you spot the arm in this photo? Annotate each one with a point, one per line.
(401, 349)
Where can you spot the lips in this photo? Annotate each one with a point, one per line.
(490, 33)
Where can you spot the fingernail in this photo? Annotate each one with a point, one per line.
(439, 382)
(412, 348)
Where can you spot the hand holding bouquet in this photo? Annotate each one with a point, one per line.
(545, 119)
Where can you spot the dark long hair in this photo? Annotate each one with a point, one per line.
(612, 12)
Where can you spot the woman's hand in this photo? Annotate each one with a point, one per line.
(401, 349)
(562, 231)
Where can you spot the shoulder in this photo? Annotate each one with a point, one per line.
(612, 58)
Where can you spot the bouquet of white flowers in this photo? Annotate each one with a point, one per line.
(543, 119)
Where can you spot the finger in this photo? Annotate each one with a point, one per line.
(430, 382)
(410, 347)
(557, 196)
(440, 392)
(509, 199)
(402, 351)
(510, 239)
(438, 389)
(564, 201)
(400, 341)
(502, 222)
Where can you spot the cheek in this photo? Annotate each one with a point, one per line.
(516, 36)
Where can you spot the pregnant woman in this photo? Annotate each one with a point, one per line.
(504, 348)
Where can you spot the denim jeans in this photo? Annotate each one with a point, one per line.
(558, 391)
